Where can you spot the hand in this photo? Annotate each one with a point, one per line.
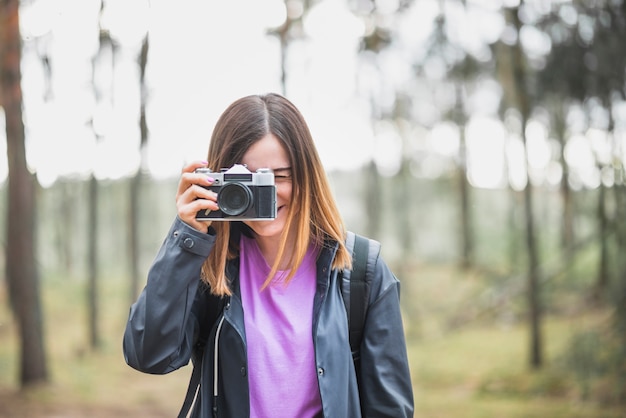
(192, 197)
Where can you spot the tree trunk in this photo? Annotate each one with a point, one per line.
(92, 294)
(464, 189)
(135, 184)
(619, 288)
(567, 225)
(21, 267)
(534, 302)
(92, 265)
(602, 281)
(133, 227)
(66, 215)
(373, 208)
(619, 227)
(404, 211)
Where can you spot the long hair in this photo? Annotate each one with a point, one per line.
(313, 217)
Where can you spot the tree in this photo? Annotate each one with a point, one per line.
(462, 69)
(586, 66)
(21, 267)
(135, 183)
(105, 44)
(521, 100)
(92, 265)
(374, 42)
(289, 31)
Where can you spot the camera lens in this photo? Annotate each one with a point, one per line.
(234, 199)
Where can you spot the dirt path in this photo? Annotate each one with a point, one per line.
(17, 405)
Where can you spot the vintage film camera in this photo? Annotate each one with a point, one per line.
(241, 194)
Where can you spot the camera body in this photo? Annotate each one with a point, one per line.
(241, 194)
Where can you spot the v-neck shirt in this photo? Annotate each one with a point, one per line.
(278, 322)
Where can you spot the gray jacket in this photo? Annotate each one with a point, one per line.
(165, 321)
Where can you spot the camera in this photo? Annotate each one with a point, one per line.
(241, 194)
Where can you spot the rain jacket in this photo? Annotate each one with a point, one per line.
(166, 320)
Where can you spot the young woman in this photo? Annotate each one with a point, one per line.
(278, 344)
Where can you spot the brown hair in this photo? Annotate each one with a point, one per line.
(313, 215)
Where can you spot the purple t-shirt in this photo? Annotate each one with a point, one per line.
(278, 320)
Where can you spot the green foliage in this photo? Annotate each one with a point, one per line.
(550, 383)
(469, 342)
(479, 371)
(596, 360)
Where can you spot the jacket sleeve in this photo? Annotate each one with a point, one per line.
(385, 384)
(163, 322)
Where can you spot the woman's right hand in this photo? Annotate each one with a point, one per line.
(192, 196)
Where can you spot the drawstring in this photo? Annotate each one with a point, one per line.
(216, 366)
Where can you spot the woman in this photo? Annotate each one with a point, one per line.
(279, 347)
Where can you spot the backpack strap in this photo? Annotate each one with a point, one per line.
(355, 286)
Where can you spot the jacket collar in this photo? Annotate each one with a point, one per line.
(323, 264)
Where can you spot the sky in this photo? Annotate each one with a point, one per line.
(205, 54)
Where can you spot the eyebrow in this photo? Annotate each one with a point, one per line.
(282, 169)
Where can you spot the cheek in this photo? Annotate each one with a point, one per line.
(283, 192)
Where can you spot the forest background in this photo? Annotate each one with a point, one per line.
(482, 142)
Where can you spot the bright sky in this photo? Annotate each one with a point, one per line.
(205, 54)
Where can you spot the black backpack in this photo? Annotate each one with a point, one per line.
(355, 287)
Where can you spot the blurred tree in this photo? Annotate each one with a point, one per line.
(106, 49)
(373, 209)
(371, 44)
(606, 81)
(586, 66)
(519, 97)
(66, 209)
(291, 29)
(606, 62)
(403, 197)
(92, 264)
(561, 85)
(135, 183)
(462, 69)
(619, 295)
(378, 36)
(21, 266)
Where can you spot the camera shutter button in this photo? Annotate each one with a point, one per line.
(188, 242)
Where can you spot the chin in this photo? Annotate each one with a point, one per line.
(266, 228)
(271, 228)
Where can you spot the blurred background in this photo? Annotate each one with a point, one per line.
(483, 142)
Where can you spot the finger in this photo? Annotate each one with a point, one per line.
(196, 206)
(188, 212)
(195, 199)
(187, 174)
(192, 166)
(195, 192)
(188, 179)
